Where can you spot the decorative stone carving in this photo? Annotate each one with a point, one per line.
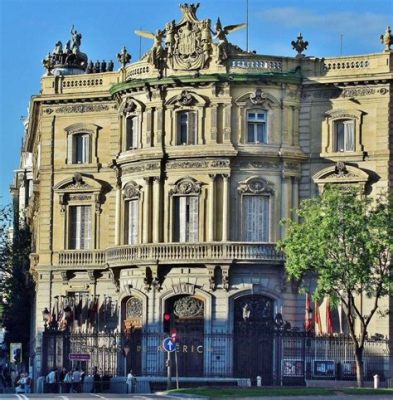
(141, 167)
(187, 186)
(156, 55)
(184, 288)
(77, 183)
(92, 277)
(124, 57)
(188, 307)
(132, 190)
(255, 186)
(185, 98)
(129, 107)
(258, 97)
(300, 45)
(354, 92)
(82, 108)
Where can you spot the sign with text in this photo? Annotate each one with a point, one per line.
(79, 356)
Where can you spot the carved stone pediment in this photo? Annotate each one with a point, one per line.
(187, 186)
(258, 97)
(341, 173)
(132, 190)
(255, 185)
(78, 183)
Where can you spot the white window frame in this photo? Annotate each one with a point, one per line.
(81, 148)
(255, 122)
(191, 120)
(80, 227)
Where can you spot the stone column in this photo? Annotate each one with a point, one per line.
(295, 196)
(210, 235)
(225, 208)
(156, 209)
(146, 211)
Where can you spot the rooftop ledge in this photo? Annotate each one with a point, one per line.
(170, 253)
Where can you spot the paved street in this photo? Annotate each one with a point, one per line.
(85, 396)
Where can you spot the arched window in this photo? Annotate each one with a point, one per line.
(256, 126)
(131, 193)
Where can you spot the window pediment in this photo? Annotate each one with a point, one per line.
(255, 185)
(186, 99)
(132, 190)
(344, 114)
(257, 98)
(187, 186)
(82, 128)
(340, 173)
(131, 106)
(78, 183)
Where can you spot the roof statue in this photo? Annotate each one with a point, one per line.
(300, 45)
(221, 34)
(68, 58)
(387, 39)
(188, 44)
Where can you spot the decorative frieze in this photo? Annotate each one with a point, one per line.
(141, 167)
(78, 108)
(198, 164)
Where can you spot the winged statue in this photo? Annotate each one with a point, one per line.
(157, 51)
(221, 35)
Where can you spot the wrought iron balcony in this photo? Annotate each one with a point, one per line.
(173, 253)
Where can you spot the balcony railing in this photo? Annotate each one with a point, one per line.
(174, 253)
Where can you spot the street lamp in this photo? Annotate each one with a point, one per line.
(45, 316)
(126, 350)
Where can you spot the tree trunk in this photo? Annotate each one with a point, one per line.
(359, 366)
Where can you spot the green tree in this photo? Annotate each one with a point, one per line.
(16, 286)
(345, 240)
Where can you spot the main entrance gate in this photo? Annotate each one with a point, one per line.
(253, 338)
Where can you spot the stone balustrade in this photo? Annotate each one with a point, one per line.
(173, 253)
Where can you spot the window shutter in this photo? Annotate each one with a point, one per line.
(85, 149)
(133, 221)
(70, 149)
(193, 219)
(256, 218)
(349, 136)
(135, 133)
(182, 218)
(191, 128)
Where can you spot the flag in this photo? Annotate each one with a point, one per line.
(329, 318)
(318, 325)
(308, 314)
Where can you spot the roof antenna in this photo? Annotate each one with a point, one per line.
(247, 25)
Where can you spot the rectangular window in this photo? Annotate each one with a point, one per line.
(132, 141)
(81, 148)
(132, 221)
(256, 127)
(186, 219)
(256, 218)
(80, 227)
(345, 136)
(187, 128)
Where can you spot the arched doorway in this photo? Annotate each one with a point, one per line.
(187, 319)
(253, 338)
(132, 334)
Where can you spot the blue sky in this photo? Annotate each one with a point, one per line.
(30, 28)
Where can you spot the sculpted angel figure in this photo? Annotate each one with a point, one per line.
(156, 53)
(221, 34)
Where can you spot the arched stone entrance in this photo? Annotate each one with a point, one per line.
(253, 339)
(132, 310)
(187, 319)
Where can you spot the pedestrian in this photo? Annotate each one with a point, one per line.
(96, 381)
(51, 380)
(68, 382)
(62, 375)
(76, 381)
(131, 382)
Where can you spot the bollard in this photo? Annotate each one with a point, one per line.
(259, 381)
(376, 381)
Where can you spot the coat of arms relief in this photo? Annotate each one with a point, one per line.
(189, 44)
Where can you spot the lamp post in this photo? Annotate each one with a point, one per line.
(45, 316)
(126, 350)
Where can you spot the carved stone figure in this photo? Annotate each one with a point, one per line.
(221, 34)
(156, 53)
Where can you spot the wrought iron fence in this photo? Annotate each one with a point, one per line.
(280, 358)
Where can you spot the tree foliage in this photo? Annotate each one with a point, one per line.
(16, 286)
(345, 239)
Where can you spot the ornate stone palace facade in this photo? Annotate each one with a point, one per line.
(158, 188)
